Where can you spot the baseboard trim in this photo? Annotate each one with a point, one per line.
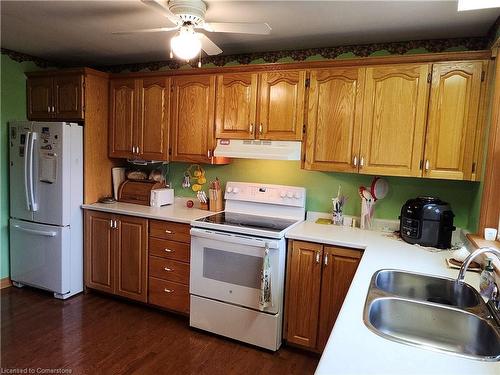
(5, 282)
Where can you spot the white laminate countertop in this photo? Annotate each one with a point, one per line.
(177, 212)
(352, 348)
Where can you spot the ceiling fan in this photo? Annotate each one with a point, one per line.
(189, 15)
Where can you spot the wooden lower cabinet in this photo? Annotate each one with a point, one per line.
(116, 254)
(169, 256)
(318, 278)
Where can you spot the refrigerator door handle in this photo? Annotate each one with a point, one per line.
(33, 231)
(26, 169)
(33, 190)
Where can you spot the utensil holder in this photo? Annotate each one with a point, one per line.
(215, 202)
(203, 206)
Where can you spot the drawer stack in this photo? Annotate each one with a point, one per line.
(169, 254)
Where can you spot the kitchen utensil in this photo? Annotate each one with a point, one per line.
(379, 188)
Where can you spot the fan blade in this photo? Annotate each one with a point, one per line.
(240, 28)
(208, 46)
(157, 30)
(161, 6)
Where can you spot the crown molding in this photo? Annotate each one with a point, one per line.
(22, 57)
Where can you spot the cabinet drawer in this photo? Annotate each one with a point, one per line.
(170, 231)
(167, 269)
(170, 295)
(169, 249)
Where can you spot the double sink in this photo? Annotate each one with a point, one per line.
(431, 312)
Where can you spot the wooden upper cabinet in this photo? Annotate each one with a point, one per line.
(192, 118)
(453, 119)
(394, 119)
(303, 295)
(131, 257)
(39, 98)
(68, 97)
(339, 267)
(56, 96)
(123, 116)
(281, 105)
(153, 111)
(334, 119)
(236, 106)
(99, 251)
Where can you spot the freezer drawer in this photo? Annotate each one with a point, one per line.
(40, 255)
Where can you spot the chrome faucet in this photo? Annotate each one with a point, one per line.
(471, 257)
(494, 302)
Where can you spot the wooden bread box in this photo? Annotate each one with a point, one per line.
(138, 192)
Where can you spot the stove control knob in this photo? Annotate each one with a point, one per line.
(236, 190)
(289, 194)
(229, 189)
(297, 195)
(282, 194)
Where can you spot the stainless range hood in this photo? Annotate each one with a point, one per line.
(258, 149)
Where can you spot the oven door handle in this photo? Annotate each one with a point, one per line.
(235, 238)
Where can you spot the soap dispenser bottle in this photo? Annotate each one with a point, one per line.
(487, 281)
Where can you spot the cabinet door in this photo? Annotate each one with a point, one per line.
(236, 106)
(192, 122)
(302, 302)
(282, 105)
(123, 116)
(152, 127)
(453, 118)
(339, 267)
(99, 251)
(40, 98)
(334, 119)
(68, 97)
(394, 118)
(131, 258)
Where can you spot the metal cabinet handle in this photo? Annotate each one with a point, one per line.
(111, 223)
(168, 290)
(137, 149)
(53, 109)
(260, 128)
(355, 161)
(326, 260)
(250, 129)
(427, 165)
(168, 232)
(361, 162)
(48, 109)
(168, 250)
(116, 224)
(209, 153)
(133, 149)
(168, 269)
(317, 257)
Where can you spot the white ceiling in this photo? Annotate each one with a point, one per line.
(80, 32)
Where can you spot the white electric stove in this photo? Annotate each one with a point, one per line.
(228, 250)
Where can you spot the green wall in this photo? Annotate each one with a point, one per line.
(12, 107)
(321, 186)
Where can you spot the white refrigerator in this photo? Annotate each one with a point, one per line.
(46, 194)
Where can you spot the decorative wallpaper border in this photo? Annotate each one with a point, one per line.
(22, 57)
(363, 50)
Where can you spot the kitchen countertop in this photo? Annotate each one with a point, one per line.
(177, 212)
(352, 348)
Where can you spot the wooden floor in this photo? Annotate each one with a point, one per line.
(96, 334)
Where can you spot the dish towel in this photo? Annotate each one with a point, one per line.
(265, 299)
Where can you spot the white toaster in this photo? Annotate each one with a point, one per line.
(161, 197)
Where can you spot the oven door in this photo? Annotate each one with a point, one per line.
(227, 267)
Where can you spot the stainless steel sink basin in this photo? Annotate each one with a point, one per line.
(431, 325)
(433, 313)
(427, 288)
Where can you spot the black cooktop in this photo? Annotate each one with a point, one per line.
(272, 224)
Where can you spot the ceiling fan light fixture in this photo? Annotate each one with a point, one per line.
(186, 45)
